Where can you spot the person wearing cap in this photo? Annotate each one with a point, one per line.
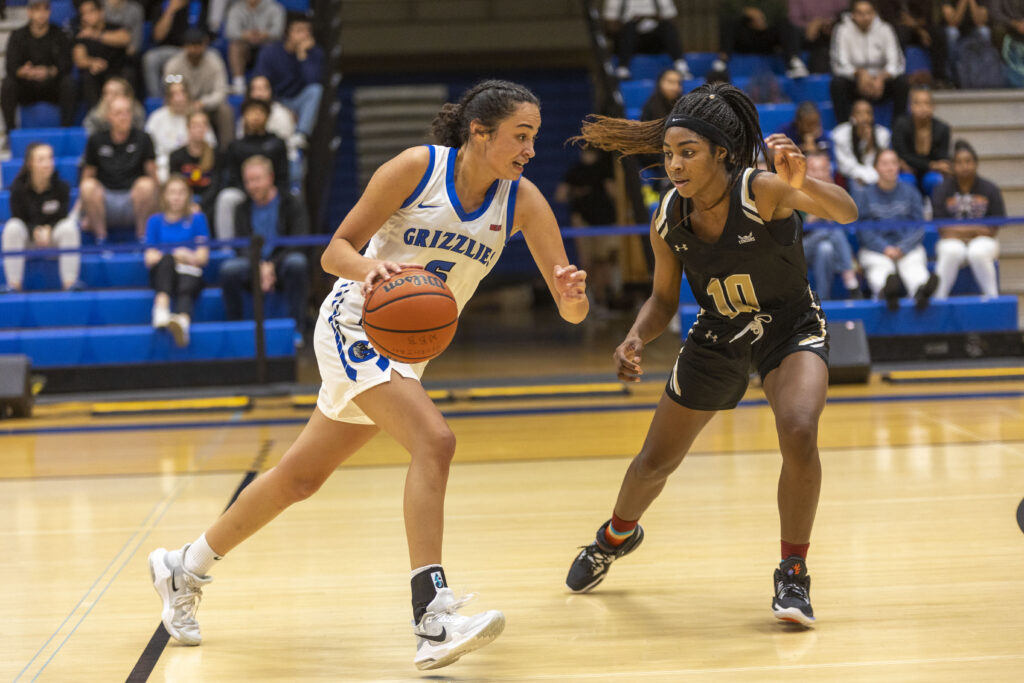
(202, 70)
(168, 39)
(255, 141)
(38, 67)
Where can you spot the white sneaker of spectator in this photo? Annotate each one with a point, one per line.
(623, 73)
(683, 68)
(719, 65)
(161, 317)
(797, 68)
(298, 140)
(178, 326)
(238, 85)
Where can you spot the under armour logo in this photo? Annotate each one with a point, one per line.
(746, 239)
(712, 337)
(680, 247)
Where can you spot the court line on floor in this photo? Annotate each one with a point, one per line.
(144, 666)
(149, 521)
(502, 412)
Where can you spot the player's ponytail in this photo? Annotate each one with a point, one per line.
(487, 102)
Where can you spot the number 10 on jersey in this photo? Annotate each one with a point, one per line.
(734, 295)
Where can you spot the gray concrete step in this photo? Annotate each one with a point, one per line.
(973, 107)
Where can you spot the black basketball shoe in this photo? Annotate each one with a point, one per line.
(891, 292)
(792, 601)
(591, 565)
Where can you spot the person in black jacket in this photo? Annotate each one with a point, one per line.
(39, 217)
(256, 140)
(270, 213)
(922, 142)
(38, 67)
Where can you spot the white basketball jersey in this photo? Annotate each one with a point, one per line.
(432, 229)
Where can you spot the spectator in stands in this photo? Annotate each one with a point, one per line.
(119, 175)
(256, 141)
(206, 77)
(667, 90)
(168, 126)
(813, 22)
(198, 161)
(128, 15)
(295, 69)
(922, 142)
(646, 26)
(756, 27)
(588, 188)
(176, 272)
(827, 250)
(250, 25)
(807, 132)
(97, 119)
(856, 144)
(967, 195)
(961, 20)
(169, 39)
(890, 255)
(1008, 23)
(867, 61)
(915, 25)
(281, 123)
(269, 213)
(40, 201)
(38, 67)
(100, 50)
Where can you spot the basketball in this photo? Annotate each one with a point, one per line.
(411, 317)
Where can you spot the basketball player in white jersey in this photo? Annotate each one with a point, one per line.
(449, 208)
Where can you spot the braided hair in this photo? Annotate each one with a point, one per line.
(488, 102)
(722, 105)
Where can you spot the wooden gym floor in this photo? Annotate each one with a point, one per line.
(916, 558)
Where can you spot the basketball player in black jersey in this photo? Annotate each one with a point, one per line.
(736, 234)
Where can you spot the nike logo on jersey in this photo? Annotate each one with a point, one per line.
(421, 205)
(746, 239)
(439, 638)
(449, 241)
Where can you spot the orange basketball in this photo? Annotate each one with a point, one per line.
(411, 317)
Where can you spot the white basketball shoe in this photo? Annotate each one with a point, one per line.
(443, 636)
(180, 590)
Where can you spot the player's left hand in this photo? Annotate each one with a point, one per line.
(790, 162)
(571, 283)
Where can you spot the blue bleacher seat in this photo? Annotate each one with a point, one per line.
(5, 206)
(774, 117)
(918, 59)
(122, 345)
(39, 115)
(295, 5)
(950, 316)
(700, 63)
(814, 88)
(649, 66)
(636, 92)
(116, 270)
(97, 307)
(748, 65)
(67, 169)
(151, 104)
(66, 142)
(61, 12)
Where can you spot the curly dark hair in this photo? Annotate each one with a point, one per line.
(488, 102)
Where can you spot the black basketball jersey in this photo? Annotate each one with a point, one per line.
(753, 267)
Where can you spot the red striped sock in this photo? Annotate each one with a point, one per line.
(791, 549)
(619, 530)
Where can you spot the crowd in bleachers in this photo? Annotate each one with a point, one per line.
(119, 166)
(851, 83)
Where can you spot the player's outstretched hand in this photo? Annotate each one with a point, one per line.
(381, 271)
(571, 283)
(627, 359)
(790, 162)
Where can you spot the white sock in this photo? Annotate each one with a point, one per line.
(199, 557)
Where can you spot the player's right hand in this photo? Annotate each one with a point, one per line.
(627, 359)
(379, 271)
